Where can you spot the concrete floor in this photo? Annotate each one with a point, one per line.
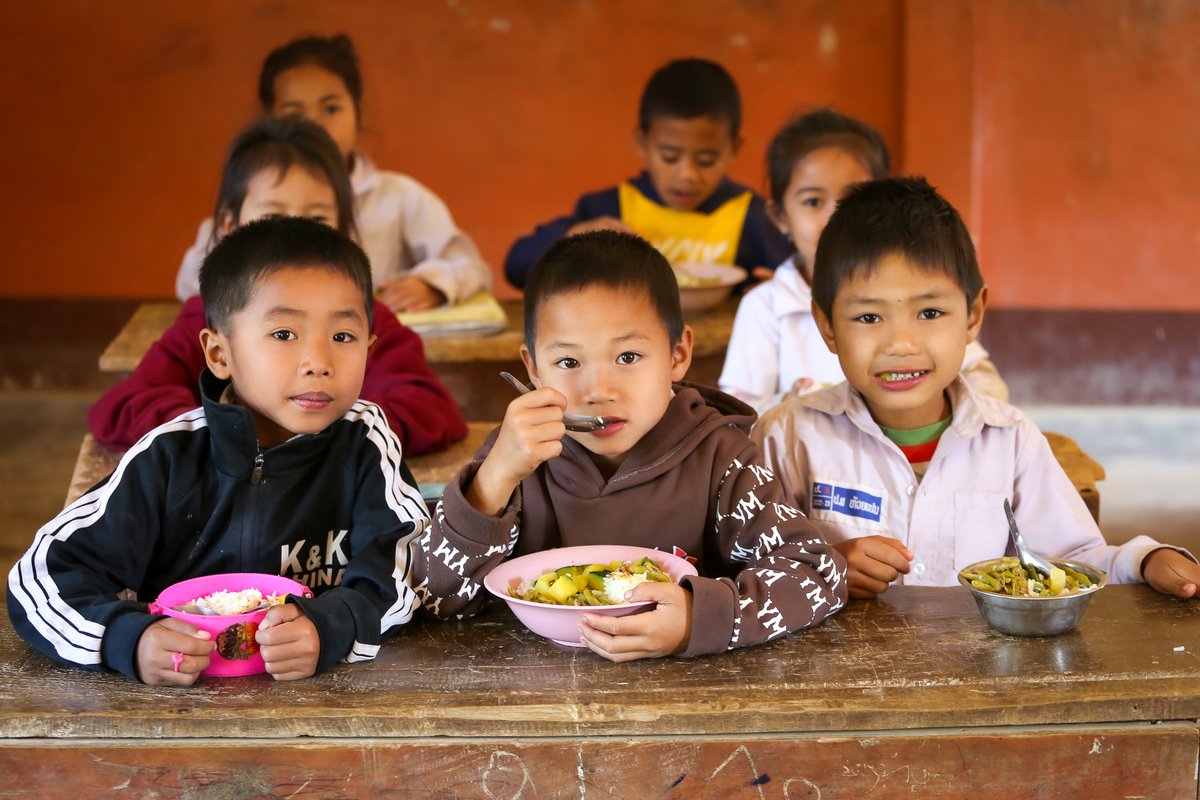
(1149, 452)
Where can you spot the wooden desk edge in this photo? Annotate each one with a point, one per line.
(150, 320)
(95, 461)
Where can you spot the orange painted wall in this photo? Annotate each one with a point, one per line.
(120, 111)
(1065, 130)
(1068, 132)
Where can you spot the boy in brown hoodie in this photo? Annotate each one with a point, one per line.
(673, 469)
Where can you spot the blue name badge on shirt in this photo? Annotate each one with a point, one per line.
(844, 500)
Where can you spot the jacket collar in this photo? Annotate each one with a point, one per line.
(693, 413)
(726, 190)
(791, 294)
(235, 442)
(971, 411)
(364, 175)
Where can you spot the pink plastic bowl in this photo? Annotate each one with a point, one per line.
(238, 627)
(561, 623)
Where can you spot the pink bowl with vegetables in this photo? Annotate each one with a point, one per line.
(560, 623)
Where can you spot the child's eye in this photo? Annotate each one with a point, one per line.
(628, 358)
(344, 337)
(929, 313)
(566, 363)
(331, 110)
(867, 319)
(812, 202)
(321, 218)
(706, 162)
(283, 336)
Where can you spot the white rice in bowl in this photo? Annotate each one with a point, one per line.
(616, 584)
(227, 604)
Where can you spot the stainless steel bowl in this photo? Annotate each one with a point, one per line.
(1034, 616)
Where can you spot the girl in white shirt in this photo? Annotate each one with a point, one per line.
(775, 348)
(419, 257)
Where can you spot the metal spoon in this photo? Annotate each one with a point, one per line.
(574, 422)
(1029, 559)
(188, 608)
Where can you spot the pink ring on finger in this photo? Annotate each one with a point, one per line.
(176, 660)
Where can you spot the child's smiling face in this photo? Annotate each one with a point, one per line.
(686, 158)
(608, 351)
(900, 334)
(296, 353)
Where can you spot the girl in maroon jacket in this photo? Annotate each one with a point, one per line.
(282, 167)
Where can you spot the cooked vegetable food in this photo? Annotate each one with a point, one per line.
(1007, 576)
(591, 584)
(691, 281)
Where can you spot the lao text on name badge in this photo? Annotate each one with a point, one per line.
(858, 506)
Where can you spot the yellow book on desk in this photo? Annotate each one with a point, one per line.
(480, 313)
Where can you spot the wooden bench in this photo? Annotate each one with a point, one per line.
(909, 695)
(1082, 469)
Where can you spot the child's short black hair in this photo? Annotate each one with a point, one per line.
(823, 127)
(230, 270)
(904, 216)
(605, 258)
(688, 88)
(331, 53)
(278, 145)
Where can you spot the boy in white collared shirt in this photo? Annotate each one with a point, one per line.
(904, 467)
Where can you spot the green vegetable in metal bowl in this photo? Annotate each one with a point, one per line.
(1007, 576)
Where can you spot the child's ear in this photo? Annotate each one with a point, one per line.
(216, 352)
(736, 145)
(825, 327)
(778, 217)
(228, 223)
(975, 314)
(531, 367)
(639, 141)
(681, 354)
(371, 342)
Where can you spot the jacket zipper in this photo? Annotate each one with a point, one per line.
(256, 475)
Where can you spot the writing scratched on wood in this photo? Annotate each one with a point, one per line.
(507, 776)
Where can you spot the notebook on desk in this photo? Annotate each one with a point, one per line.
(479, 314)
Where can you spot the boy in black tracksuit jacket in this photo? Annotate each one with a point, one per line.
(283, 470)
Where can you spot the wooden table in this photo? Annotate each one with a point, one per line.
(466, 364)
(432, 470)
(95, 462)
(906, 696)
(148, 322)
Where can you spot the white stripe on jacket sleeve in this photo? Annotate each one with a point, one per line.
(74, 637)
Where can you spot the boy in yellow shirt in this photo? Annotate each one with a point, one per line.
(689, 130)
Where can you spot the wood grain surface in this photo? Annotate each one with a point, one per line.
(711, 330)
(915, 658)
(96, 462)
(1120, 761)
(907, 695)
